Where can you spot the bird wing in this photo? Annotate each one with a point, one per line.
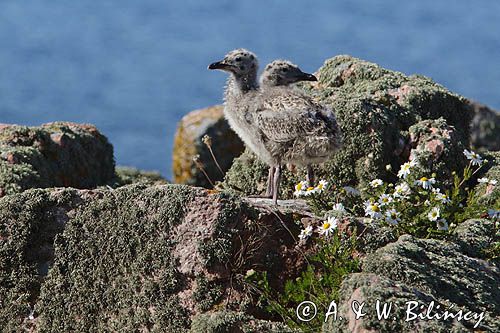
(285, 116)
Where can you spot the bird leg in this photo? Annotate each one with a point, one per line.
(276, 183)
(310, 176)
(269, 190)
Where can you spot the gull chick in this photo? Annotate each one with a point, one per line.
(296, 129)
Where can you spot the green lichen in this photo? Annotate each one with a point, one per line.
(29, 223)
(53, 155)
(129, 175)
(207, 293)
(440, 269)
(230, 321)
(113, 268)
(219, 249)
(491, 198)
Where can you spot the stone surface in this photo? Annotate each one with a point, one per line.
(188, 143)
(489, 194)
(228, 321)
(375, 108)
(485, 128)
(425, 270)
(434, 144)
(139, 257)
(53, 155)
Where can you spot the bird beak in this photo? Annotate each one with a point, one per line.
(219, 65)
(307, 77)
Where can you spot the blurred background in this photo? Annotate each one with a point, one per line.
(134, 68)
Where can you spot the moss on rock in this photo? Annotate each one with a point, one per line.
(237, 322)
(53, 155)
(29, 222)
(489, 194)
(113, 269)
(440, 270)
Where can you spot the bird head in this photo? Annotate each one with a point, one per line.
(283, 73)
(239, 62)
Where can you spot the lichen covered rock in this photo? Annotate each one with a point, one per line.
(490, 194)
(434, 144)
(229, 321)
(139, 257)
(129, 175)
(485, 128)
(188, 143)
(29, 223)
(53, 155)
(425, 270)
(375, 108)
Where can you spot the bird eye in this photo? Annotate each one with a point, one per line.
(238, 59)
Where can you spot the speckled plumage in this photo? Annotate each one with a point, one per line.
(278, 124)
(299, 130)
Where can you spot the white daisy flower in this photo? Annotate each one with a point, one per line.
(339, 207)
(404, 171)
(483, 180)
(376, 183)
(392, 217)
(473, 157)
(434, 214)
(385, 199)
(443, 198)
(493, 182)
(300, 188)
(321, 186)
(425, 182)
(442, 224)
(306, 232)
(372, 209)
(402, 190)
(352, 190)
(310, 190)
(327, 228)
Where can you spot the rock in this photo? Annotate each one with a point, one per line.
(188, 143)
(436, 148)
(375, 108)
(129, 175)
(229, 321)
(137, 257)
(473, 236)
(485, 128)
(53, 155)
(370, 288)
(424, 270)
(489, 195)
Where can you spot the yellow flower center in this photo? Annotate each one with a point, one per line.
(326, 225)
(320, 186)
(375, 208)
(385, 199)
(298, 187)
(424, 179)
(310, 188)
(393, 216)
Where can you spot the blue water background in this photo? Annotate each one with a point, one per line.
(134, 68)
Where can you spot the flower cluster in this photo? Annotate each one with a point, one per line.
(411, 195)
(302, 188)
(326, 229)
